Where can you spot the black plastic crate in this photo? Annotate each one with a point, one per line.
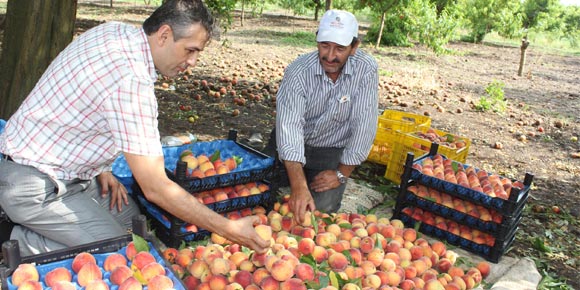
(172, 231)
(63, 258)
(490, 253)
(254, 167)
(496, 229)
(507, 207)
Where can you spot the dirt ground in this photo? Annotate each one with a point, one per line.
(543, 106)
(538, 132)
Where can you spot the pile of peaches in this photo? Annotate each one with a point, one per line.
(201, 166)
(480, 180)
(328, 251)
(448, 140)
(132, 270)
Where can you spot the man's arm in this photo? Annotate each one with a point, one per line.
(149, 172)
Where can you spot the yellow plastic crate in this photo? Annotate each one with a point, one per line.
(412, 142)
(454, 147)
(403, 121)
(383, 146)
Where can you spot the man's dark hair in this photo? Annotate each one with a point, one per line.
(180, 15)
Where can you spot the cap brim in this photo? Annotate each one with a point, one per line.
(332, 36)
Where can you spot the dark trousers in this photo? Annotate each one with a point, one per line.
(318, 159)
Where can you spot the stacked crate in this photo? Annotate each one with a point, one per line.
(401, 132)
(463, 205)
(254, 171)
(46, 262)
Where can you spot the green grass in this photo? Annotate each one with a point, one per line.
(542, 41)
(300, 39)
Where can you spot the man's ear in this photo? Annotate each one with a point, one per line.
(164, 33)
(354, 47)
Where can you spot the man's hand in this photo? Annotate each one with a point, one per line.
(110, 184)
(301, 201)
(324, 181)
(242, 232)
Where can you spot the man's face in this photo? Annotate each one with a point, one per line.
(177, 56)
(333, 56)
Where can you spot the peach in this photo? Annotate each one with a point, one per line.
(421, 265)
(160, 282)
(253, 287)
(259, 275)
(217, 282)
(234, 286)
(455, 271)
(443, 265)
(367, 244)
(292, 284)
(346, 235)
(247, 265)
(409, 234)
(376, 256)
(304, 272)
(178, 270)
(416, 252)
(89, 272)
(151, 270)
(355, 242)
(142, 259)
(191, 283)
(113, 261)
(388, 264)
(269, 283)
(337, 261)
(120, 274)
(373, 281)
(130, 251)
(130, 283)
(484, 268)
(334, 229)
(475, 273)
(211, 252)
(97, 285)
(282, 270)
(319, 254)
(264, 231)
(353, 272)
(350, 286)
(170, 254)
(244, 278)
(308, 233)
(219, 266)
(356, 255)
(393, 278)
(429, 274)
(65, 285)
(238, 257)
(407, 284)
(199, 269)
(325, 239)
(57, 274)
(368, 267)
(81, 259)
(433, 284)
(259, 260)
(306, 246)
(30, 285)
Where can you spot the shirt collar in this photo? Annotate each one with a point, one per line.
(146, 48)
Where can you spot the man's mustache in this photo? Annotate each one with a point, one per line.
(336, 60)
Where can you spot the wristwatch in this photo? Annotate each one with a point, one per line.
(341, 178)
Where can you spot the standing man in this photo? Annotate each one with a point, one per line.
(327, 110)
(95, 101)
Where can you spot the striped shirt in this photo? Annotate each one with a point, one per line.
(94, 101)
(314, 111)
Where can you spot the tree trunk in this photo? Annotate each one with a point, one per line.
(378, 44)
(35, 33)
(242, 14)
(328, 5)
(523, 48)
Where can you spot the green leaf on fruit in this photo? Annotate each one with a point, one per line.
(141, 244)
(328, 220)
(238, 159)
(345, 225)
(333, 280)
(323, 281)
(215, 156)
(455, 166)
(308, 259)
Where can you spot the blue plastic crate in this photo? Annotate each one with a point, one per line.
(255, 166)
(63, 258)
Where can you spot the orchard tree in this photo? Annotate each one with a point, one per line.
(35, 32)
(485, 16)
(381, 7)
(432, 27)
(541, 13)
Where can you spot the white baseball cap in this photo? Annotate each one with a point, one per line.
(337, 26)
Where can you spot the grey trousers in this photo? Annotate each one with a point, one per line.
(317, 160)
(55, 214)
